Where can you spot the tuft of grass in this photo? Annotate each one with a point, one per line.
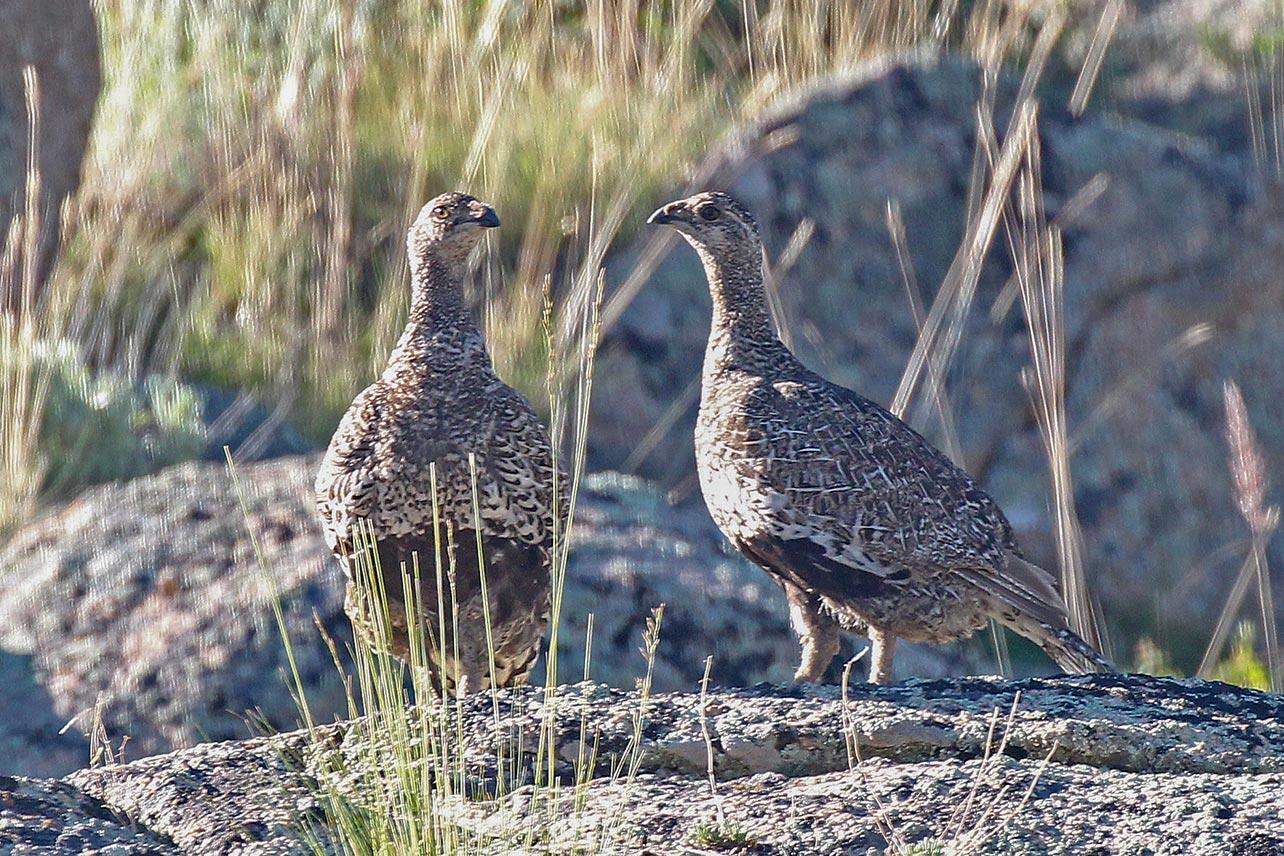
(100, 426)
(722, 836)
(926, 847)
(103, 750)
(1242, 665)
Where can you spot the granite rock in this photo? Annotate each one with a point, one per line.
(1101, 764)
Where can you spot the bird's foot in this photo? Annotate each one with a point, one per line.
(806, 683)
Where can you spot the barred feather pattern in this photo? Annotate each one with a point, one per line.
(865, 524)
(438, 402)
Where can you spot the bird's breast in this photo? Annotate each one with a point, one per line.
(737, 491)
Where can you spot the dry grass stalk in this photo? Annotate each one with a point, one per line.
(1038, 264)
(793, 250)
(1263, 68)
(23, 384)
(1091, 69)
(1250, 481)
(939, 398)
(1247, 465)
(720, 816)
(954, 298)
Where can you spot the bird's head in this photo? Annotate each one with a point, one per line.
(713, 223)
(449, 227)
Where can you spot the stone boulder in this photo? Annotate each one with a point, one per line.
(55, 817)
(1185, 65)
(1103, 764)
(145, 599)
(1172, 286)
(60, 41)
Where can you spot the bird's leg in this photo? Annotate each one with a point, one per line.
(817, 632)
(882, 647)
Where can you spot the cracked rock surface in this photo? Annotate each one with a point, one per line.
(1103, 764)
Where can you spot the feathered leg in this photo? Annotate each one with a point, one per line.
(817, 632)
(882, 647)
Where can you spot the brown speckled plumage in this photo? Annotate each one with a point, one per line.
(437, 402)
(864, 524)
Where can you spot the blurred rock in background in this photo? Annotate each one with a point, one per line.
(1184, 65)
(145, 598)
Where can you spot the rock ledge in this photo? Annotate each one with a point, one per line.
(1111, 763)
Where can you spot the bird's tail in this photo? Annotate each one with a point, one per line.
(1028, 601)
(1070, 651)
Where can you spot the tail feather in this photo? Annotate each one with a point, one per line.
(1030, 604)
(1072, 653)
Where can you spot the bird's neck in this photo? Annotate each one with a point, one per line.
(741, 335)
(437, 292)
(440, 330)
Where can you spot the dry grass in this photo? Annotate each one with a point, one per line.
(252, 170)
(22, 387)
(1036, 250)
(1248, 473)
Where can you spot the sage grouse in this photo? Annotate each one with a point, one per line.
(864, 524)
(438, 402)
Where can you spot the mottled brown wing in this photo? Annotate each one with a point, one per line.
(520, 458)
(954, 526)
(875, 493)
(346, 487)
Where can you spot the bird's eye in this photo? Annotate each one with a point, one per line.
(709, 212)
(441, 212)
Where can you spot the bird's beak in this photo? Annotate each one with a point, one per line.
(488, 217)
(664, 215)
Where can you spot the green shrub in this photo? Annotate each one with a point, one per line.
(1243, 666)
(100, 426)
